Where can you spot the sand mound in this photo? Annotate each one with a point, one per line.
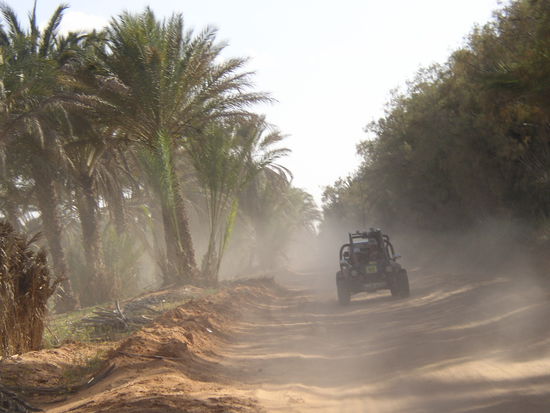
(171, 365)
(53, 368)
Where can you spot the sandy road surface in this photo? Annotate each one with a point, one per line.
(460, 343)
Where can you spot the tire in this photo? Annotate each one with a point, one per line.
(394, 288)
(402, 284)
(344, 293)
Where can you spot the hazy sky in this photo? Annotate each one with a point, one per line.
(330, 64)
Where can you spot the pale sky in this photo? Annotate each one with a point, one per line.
(329, 64)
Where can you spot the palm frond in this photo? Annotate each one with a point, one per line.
(50, 32)
(35, 32)
(11, 19)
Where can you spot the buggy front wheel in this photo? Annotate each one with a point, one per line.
(400, 286)
(344, 293)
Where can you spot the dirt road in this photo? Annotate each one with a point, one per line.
(460, 343)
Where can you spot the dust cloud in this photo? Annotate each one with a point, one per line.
(473, 335)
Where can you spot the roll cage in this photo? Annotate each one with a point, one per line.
(372, 237)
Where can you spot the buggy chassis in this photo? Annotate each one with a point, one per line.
(368, 263)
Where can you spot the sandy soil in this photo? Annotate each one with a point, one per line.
(460, 343)
(171, 365)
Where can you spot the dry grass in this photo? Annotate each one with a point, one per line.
(25, 286)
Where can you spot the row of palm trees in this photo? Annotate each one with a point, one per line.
(127, 127)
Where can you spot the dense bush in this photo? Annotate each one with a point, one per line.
(468, 141)
(25, 286)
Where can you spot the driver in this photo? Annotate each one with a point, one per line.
(374, 255)
(346, 260)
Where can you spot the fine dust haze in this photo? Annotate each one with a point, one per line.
(473, 330)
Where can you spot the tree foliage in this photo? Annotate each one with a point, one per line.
(117, 143)
(468, 140)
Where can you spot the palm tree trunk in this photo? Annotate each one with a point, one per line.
(118, 212)
(179, 244)
(183, 226)
(48, 202)
(11, 206)
(209, 259)
(100, 290)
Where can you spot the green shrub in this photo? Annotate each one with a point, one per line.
(25, 286)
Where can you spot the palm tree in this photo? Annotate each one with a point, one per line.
(277, 211)
(162, 83)
(29, 87)
(86, 143)
(226, 157)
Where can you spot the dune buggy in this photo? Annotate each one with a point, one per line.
(368, 263)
